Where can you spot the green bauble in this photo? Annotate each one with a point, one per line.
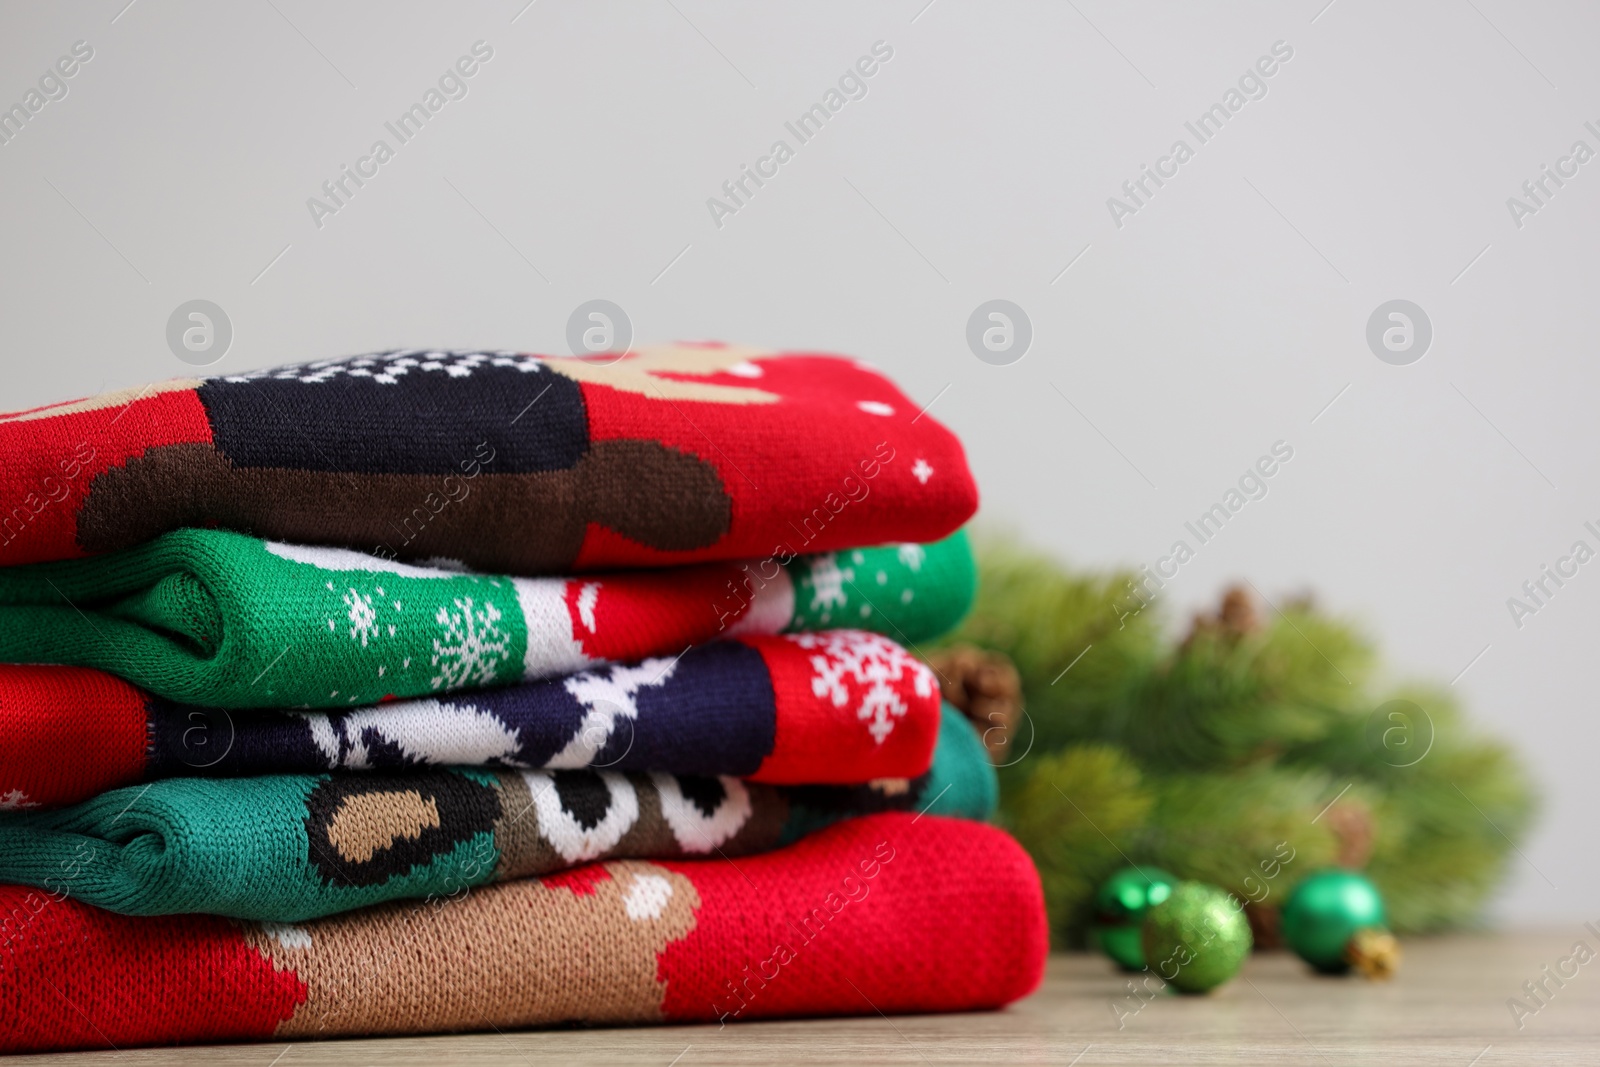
(1197, 938)
(1325, 911)
(1119, 910)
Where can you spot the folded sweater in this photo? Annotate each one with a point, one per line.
(885, 914)
(220, 619)
(506, 462)
(838, 707)
(289, 847)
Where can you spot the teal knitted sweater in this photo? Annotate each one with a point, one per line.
(285, 848)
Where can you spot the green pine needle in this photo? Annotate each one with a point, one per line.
(1216, 756)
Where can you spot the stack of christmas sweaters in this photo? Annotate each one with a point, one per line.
(434, 691)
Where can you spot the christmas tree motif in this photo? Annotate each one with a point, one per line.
(868, 670)
(473, 646)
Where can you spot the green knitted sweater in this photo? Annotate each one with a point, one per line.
(220, 619)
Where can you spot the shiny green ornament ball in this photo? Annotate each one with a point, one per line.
(1325, 912)
(1197, 938)
(1119, 910)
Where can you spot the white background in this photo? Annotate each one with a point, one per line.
(1224, 316)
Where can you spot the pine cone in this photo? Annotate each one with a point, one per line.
(986, 688)
(1266, 925)
(1353, 828)
(1236, 617)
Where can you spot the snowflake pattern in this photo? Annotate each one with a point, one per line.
(363, 618)
(827, 580)
(869, 670)
(473, 646)
(910, 554)
(922, 470)
(15, 800)
(387, 368)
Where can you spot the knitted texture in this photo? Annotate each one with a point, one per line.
(502, 461)
(889, 913)
(291, 847)
(961, 782)
(67, 733)
(767, 708)
(220, 619)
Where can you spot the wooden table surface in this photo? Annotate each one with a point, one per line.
(1448, 1007)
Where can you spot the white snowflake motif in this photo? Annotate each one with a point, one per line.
(827, 580)
(473, 646)
(910, 554)
(868, 668)
(363, 617)
(922, 470)
(15, 800)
